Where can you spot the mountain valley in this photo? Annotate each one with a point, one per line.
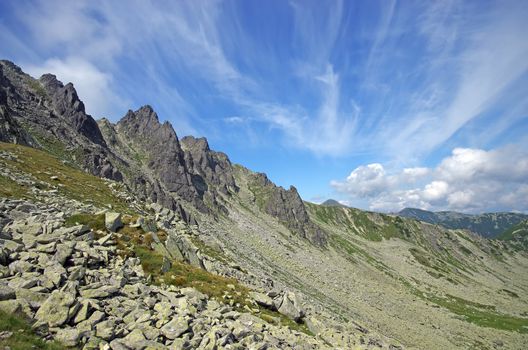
(139, 239)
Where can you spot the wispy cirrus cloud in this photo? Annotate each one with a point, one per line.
(394, 83)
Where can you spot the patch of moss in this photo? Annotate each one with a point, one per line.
(23, 336)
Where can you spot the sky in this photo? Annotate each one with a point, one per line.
(378, 104)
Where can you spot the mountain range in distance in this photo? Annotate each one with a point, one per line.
(489, 225)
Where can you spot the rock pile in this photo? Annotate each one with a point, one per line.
(77, 289)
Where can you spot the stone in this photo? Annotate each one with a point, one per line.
(55, 311)
(97, 293)
(68, 336)
(175, 328)
(83, 312)
(291, 307)
(314, 325)
(134, 339)
(35, 299)
(53, 276)
(262, 299)
(11, 306)
(105, 330)
(6, 292)
(11, 246)
(113, 221)
(64, 251)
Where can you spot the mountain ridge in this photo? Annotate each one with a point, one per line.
(343, 277)
(489, 225)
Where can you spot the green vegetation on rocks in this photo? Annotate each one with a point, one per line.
(16, 334)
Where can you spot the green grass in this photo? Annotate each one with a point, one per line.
(12, 189)
(262, 194)
(71, 183)
(23, 336)
(371, 226)
(37, 87)
(95, 222)
(480, 314)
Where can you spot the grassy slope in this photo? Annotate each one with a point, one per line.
(350, 227)
(40, 166)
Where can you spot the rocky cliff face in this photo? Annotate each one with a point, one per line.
(46, 114)
(287, 206)
(139, 150)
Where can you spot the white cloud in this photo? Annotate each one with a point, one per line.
(93, 86)
(468, 180)
(364, 181)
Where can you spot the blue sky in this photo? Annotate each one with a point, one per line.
(380, 104)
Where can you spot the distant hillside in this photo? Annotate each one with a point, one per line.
(333, 203)
(517, 234)
(489, 225)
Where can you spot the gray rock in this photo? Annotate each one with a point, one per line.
(113, 221)
(63, 252)
(68, 336)
(56, 310)
(105, 330)
(99, 292)
(11, 306)
(262, 299)
(175, 328)
(291, 307)
(6, 292)
(35, 299)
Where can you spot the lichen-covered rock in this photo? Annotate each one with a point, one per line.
(176, 327)
(113, 221)
(57, 309)
(291, 306)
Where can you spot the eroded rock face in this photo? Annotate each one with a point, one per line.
(214, 167)
(288, 207)
(67, 104)
(49, 115)
(161, 149)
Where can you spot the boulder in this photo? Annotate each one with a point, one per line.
(291, 307)
(57, 309)
(99, 292)
(6, 292)
(113, 221)
(68, 336)
(262, 300)
(175, 328)
(11, 306)
(105, 330)
(35, 299)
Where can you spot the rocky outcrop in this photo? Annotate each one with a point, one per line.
(139, 150)
(48, 115)
(287, 206)
(214, 167)
(66, 103)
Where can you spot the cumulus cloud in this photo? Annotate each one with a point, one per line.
(470, 180)
(364, 181)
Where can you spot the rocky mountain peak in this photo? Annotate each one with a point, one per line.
(50, 82)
